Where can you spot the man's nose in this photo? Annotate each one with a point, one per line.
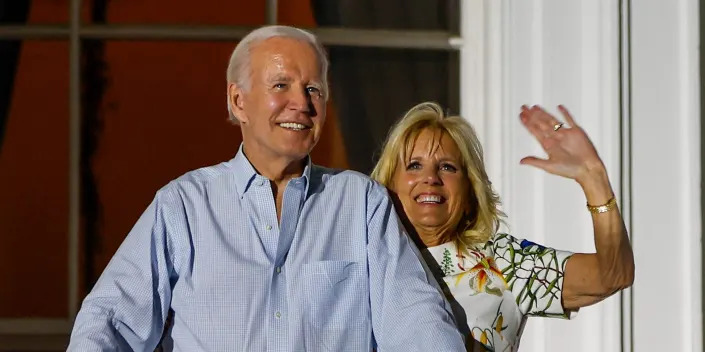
(300, 100)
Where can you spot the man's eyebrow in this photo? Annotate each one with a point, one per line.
(280, 78)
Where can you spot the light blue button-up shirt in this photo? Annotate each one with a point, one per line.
(338, 273)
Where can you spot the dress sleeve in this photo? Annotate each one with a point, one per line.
(534, 274)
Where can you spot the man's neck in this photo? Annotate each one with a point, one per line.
(277, 170)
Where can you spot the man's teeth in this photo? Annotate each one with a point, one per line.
(293, 126)
(428, 198)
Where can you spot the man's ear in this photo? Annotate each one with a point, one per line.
(236, 102)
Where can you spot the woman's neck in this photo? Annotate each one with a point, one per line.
(432, 238)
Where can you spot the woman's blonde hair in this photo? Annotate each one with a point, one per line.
(484, 217)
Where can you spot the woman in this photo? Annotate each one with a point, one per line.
(433, 166)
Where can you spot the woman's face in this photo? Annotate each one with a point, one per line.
(432, 186)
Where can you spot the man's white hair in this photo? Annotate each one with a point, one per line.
(239, 70)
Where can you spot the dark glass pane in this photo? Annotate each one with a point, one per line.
(388, 14)
(42, 12)
(205, 12)
(34, 179)
(374, 87)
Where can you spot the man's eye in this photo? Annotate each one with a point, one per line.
(280, 85)
(313, 91)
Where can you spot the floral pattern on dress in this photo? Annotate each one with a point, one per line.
(535, 270)
(485, 276)
(487, 335)
(499, 283)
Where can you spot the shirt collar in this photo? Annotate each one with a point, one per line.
(245, 173)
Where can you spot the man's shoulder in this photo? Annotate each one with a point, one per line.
(198, 179)
(342, 176)
(350, 180)
(328, 173)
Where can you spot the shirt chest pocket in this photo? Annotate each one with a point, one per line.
(333, 294)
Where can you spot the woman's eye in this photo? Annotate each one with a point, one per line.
(449, 167)
(413, 166)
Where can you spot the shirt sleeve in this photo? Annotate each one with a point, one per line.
(127, 307)
(409, 312)
(534, 274)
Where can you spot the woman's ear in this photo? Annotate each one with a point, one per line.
(236, 102)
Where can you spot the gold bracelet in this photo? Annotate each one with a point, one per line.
(599, 209)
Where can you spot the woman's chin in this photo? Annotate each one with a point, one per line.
(430, 222)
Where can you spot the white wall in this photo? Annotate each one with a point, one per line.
(568, 52)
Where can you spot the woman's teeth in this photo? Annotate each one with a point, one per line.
(428, 198)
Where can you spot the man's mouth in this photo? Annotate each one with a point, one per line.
(293, 126)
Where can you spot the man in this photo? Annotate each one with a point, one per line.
(268, 252)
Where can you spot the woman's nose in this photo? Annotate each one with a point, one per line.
(431, 177)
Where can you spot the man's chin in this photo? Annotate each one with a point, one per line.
(298, 150)
(296, 155)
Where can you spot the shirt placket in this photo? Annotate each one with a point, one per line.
(279, 319)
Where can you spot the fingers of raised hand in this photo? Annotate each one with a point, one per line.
(568, 117)
(528, 118)
(535, 162)
(540, 123)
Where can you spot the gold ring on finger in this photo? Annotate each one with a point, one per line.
(557, 126)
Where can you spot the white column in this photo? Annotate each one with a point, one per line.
(666, 175)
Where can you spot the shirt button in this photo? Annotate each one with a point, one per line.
(268, 227)
(261, 183)
(278, 269)
(278, 315)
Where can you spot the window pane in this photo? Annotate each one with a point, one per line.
(43, 12)
(162, 113)
(388, 14)
(34, 180)
(375, 87)
(220, 12)
(299, 13)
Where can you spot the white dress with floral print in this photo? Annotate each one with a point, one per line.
(494, 287)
